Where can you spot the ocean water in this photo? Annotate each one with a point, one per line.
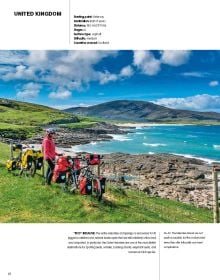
(188, 140)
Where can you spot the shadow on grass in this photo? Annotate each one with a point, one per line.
(109, 203)
(118, 191)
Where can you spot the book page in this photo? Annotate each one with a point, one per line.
(109, 139)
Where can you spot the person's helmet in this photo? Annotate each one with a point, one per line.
(50, 131)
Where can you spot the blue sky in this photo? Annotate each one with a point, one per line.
(181, 79)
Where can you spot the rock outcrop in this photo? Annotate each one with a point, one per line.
(163, 175)
(68, 137)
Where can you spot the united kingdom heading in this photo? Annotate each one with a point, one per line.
(38, 13)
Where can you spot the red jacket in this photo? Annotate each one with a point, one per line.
(48, 147)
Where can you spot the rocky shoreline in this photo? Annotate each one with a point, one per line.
(169, 176)
(68, 137)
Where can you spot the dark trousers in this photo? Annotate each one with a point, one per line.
(49, 173)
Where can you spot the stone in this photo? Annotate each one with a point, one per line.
(187, 180)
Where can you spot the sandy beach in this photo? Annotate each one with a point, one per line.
(139, 125)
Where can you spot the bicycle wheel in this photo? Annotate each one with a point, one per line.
(71, 183)
(32, 169)
(97, 189)
(64, 187)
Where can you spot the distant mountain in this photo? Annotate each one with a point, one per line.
(130, 110)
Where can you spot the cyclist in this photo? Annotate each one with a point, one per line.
(49, 151)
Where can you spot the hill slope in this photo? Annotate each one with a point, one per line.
(23, 113)
(142, 111)
(27, 200)
(21, 120)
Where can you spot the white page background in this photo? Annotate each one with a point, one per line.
(38, 251)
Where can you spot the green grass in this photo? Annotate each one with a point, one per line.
(89, 119)
(32, 115)
(81, 124)
(189, 122)
(4, 154)
(14, 131)
(10, 126)
(85, 122)
(27, 200)
(21, 120)
(99, 119)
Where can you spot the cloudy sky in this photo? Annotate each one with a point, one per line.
(62, 79)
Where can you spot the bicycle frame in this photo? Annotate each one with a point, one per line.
(75, 176)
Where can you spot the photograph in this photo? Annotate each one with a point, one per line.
(109, 136)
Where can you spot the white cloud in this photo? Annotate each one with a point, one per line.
(200, 102)
(12, 57)
(20, 72)
(195, 74)
(67, 106)
(26, 94)
(74, 70)
(61, 94)
(79, 65)
(37, 57)
(146, 62)
(62, 69)
(84, 105)
(67, 69)
(126, 71)
(61, 107)
(4, 69)
(175, 57)
(30, 90)
(214, 83)
(149, 65)
(62, 81)
(139, 57)
(32, 86)
(107, 77)
(86, 57)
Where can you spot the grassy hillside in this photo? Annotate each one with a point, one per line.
(28, 114)
(21, 120)
(84, 122)
(28, 200)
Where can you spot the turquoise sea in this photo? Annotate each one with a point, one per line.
(188, 140)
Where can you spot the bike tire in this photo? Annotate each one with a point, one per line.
(33, 169)
(71, 184)
(97, 189)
